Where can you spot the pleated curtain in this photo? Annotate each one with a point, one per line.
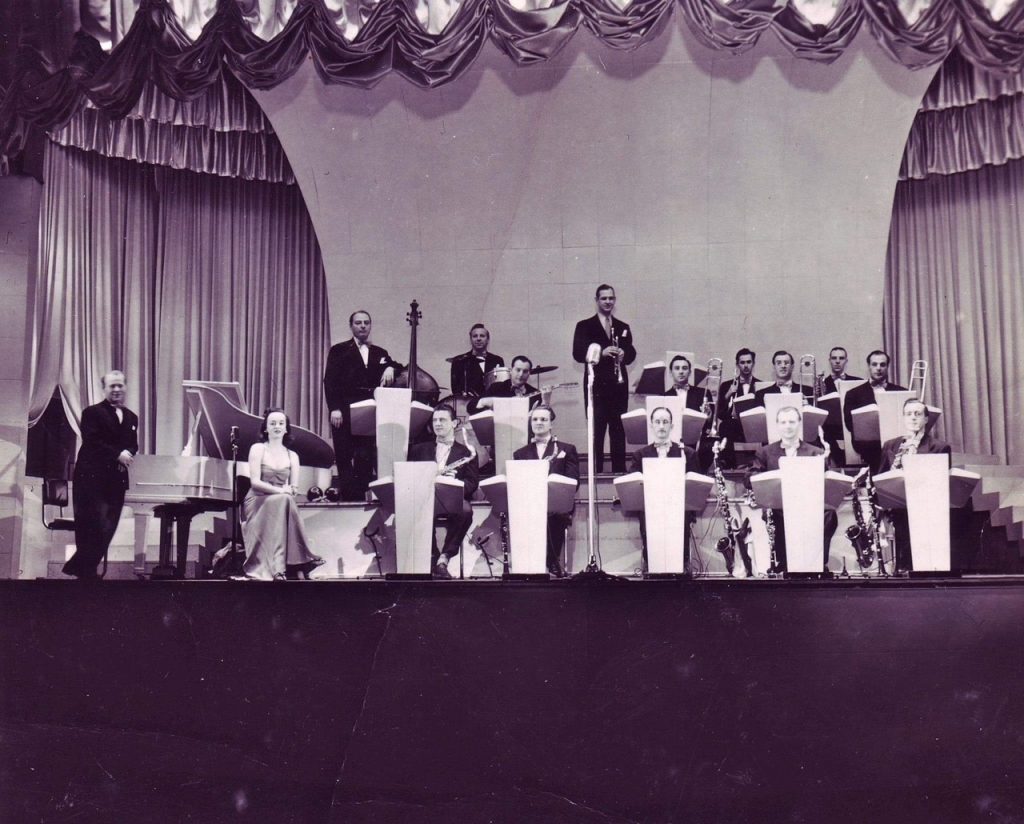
(171, 275)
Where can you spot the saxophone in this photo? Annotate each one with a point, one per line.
(862, 533)
(736, 532)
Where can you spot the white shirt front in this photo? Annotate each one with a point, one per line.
(541, 447)
(364, 351)
(441, 453)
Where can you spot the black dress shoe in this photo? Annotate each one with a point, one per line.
(556, 570)
(441, 572)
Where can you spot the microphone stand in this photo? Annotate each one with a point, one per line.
(593, 572)
(233, 437)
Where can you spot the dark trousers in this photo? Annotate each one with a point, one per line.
(870, 454)
(356, 457)
(607, 418)
(97, 512)
(557, 524)
(831, 521)
(456, 527)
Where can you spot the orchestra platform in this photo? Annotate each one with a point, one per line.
(352, 701)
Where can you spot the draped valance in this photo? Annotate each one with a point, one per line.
(184, 46)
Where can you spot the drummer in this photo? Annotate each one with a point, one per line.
(472, 370)
(515, 386)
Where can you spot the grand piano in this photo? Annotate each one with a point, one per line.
(177, 488)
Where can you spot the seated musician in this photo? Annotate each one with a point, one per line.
(562, 460)
(864, 395)
(469, 368)
(915, 440)
(766, 459)
(680, 369)
(456, 461)
(664, 447)
(516, 386)
(276, 545)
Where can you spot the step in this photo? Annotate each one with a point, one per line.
(1007, 516)
(964, 458)
(994, 470)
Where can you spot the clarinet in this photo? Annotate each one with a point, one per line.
(506, 567)
(735, 537)
(875, 523)
(774, 570)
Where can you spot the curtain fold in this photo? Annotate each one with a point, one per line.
(955, 297)
(172, 275)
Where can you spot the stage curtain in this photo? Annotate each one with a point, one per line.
(968, 119)
(955, 297)
(171, 275)
(242, 296)
(184, 46)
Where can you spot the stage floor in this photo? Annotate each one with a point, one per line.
(352, 701)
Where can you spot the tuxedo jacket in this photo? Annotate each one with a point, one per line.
(503, 389)
(862, 395)
(928, 446)
(468, 473)
(724, 392)
(466, 374)
(103, 439)
(766, 459)
(806, 391)
(674, 451)
(347, 379)
(566, 461)
(694, 397)
(830, 383)
(591, 330)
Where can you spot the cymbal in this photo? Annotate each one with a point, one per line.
(540, 370)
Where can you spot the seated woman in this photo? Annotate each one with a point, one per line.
(276, 544)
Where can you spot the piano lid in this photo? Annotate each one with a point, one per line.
(215, 414)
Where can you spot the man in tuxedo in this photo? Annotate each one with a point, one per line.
(354, 369)
(469, 368)
(456, 461)
(837, 359)
(562, 459)
(611, 382)
(516, 386)
(782, 365)
(742, 385)
(664, 447)
(864, 395)
(680, 369)
(110, 441)
(766, 459)
(916, 440)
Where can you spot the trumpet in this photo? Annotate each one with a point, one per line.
(919, 375)
(619, 377)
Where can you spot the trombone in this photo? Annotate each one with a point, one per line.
(919, 374)
(809, 372)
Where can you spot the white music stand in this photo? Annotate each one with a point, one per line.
(414, 504)
(390, 417)
(797, 487)
(505, 428)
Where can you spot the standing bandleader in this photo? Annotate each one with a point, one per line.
(611, 382)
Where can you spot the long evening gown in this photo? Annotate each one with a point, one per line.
(273, 533)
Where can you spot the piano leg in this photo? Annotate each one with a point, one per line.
(164, 570)
(141, 528)
(184, 525)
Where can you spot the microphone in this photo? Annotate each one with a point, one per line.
(594, 354)
(233, 437)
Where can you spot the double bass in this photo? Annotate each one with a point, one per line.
(424, 388)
